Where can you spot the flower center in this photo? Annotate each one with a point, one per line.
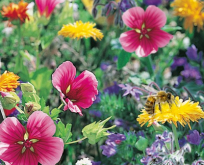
(143, 31)
(117, 141)
(27, 143)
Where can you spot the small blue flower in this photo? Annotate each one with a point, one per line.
(194, 137)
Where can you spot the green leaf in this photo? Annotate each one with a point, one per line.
(47, 40)
(46, 110)
(123, 59)
(168, 28)
(22, 117)
(63, 131)
(54, 113)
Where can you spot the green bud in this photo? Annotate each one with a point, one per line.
(30, 107)
(159, 128)
(9, 100)
(95, 131)
(27, 87)
(141, 144)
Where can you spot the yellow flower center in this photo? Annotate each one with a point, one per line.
(143, 31)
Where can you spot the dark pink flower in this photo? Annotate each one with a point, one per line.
(146, 35)
(20, 146)
(76, 93)
(47, 6)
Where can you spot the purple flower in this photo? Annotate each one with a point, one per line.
(108, 150)
(140, 133)
(116, 137)
(129, 90)
(178, 61)
(121, 123)
(182, 142)
(95, 163)
(192, 53)
(114, 89)
(124, 5)
(115, 58)
(152, 2)
(98, 98)
(162, 139)
(95, 113)
(104, 66)
(194, 137)
(191, 73)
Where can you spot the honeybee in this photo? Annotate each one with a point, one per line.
(157, 97)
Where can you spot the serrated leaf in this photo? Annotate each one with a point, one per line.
(63, 131)
(54, 113)
(22, 117)
(123, 59)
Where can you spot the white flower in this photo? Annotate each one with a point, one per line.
(84, 161)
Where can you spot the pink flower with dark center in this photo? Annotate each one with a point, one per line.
(20, 146)
(47, 6)
(146, 35)
(76, 93)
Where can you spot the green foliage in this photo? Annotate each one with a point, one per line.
(10, 100)
(95, 131)
(53, 113)
(123, 59)
(141, 144)
(63, 131)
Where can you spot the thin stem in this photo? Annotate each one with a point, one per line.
(2, 111)
(19, 38)
(60, 106)
(175, 136)
(76, 141)
(149, 65)
(19, 110)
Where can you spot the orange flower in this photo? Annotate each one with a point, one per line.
(16, 11)
(8, 81)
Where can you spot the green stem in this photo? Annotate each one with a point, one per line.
(149, 65)
(175, 136)
(18, 57)
(60, 106)
(76, 141)
(19, 110)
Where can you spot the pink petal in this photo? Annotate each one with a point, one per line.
(130, 40)
(154, 17)
(84, 89)
(11, 131)
(73, 108)
(160, 37)
(40, 126)
(63, 76)
(41, 4)
(49, 150)
(134, 17)
(51, 5)
(147, 46)
(11, 153)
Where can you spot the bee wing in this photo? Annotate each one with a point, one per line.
(150, 89)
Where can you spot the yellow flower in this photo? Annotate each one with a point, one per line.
(182, 112)
(191, 12)
(80, 30)
(8, 81)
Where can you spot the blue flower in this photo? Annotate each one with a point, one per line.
(194, 137)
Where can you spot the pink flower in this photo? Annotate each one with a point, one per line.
(20, 146)
(146, 36)
(47, 6)
(75, 92)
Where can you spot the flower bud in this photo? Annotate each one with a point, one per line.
(95, 131)
(9, 100)
(141, 144)
(94, 12)
(30, 107)
(27, 87)
(108, 9)
(159, 128)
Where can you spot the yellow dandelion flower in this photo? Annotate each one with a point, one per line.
(191, 12)
(182, 112)
(8, 81)
(81, 30)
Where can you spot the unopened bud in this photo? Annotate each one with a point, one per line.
(121, 24)
(9, 100)
(141, 144)
(27, 87)
(30, 107)
(132, 3)
(94, 12)
(108, 10)
(117, 18)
